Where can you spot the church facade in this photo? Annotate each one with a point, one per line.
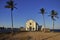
(31, 25)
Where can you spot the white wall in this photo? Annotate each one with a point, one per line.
(33, 25)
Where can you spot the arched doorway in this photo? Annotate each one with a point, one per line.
(30, 28)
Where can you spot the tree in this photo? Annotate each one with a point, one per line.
(42, 10)
(53, 15)
(11, 5)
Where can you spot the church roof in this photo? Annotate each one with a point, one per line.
(30, 20)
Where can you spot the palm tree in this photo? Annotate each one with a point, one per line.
(11, 5)
(53, 15)
(42, 10)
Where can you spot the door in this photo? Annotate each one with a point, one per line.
(30, 28)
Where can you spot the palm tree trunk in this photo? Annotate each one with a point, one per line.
(53, 24)
(44, 23)
(12, 21)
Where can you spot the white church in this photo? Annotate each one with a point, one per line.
(31, 25)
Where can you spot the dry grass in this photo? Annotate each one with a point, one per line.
(35, 36)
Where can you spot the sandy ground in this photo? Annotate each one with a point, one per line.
(35, 36)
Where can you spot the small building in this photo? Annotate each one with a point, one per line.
(31, 25)
(22, 29)
(46, 29)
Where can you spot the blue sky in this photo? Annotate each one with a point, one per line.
(29, 9)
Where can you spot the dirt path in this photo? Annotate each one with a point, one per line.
(38, 36)
(35, 36)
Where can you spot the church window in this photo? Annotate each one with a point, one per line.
(30, 23)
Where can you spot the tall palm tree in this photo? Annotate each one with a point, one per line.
(42, 10)
(11, 5)
(53, 15)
